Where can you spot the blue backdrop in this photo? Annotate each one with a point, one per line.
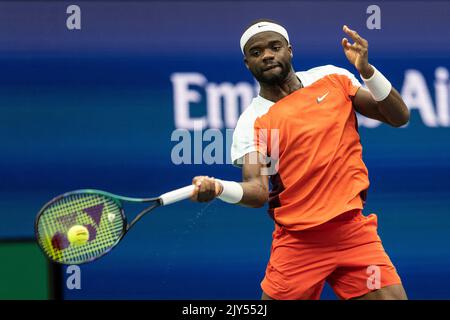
(96, 108)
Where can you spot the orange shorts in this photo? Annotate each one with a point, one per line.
(345, 251)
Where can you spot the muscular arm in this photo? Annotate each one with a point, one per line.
(392, 110)
(255, 185)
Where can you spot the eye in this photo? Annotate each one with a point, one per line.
(276, 47)
(255, 53)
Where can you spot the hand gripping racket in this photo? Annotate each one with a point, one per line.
(98, 215)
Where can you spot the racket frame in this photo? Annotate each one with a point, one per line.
(117, 199)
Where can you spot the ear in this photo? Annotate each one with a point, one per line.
(290, 50)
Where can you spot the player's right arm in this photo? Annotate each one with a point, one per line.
(254, 184)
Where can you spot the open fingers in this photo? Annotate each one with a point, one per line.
(355, 36)
(355, 46)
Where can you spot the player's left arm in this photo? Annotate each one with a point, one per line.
(391, 109)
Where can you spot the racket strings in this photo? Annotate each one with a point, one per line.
(100, 215)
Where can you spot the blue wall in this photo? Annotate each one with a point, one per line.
(95, 108)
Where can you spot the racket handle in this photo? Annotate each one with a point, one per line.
(177, 195)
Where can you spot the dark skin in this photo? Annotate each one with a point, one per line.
(392, 110)
(268, 56)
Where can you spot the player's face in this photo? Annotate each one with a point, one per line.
(268, 57)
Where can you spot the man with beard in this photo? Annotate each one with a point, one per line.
(301, 130)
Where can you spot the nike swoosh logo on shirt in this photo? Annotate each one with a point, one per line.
(320, 99)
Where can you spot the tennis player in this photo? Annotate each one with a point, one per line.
(320, 182)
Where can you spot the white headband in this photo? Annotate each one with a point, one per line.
(262, 27)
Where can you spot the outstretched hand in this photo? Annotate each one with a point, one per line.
(357, 53)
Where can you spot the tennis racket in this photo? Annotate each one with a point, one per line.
(99, 214)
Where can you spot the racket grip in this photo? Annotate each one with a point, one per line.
(177, 195)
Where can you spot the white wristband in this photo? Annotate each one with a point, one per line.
(378, 85)
(232, 191)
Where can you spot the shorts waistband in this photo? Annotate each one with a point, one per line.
(346, 216)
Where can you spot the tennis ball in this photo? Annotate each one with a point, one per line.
(78, 235)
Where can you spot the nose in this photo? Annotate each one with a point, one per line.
(268, 55)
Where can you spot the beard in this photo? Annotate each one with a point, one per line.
(273, 76)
